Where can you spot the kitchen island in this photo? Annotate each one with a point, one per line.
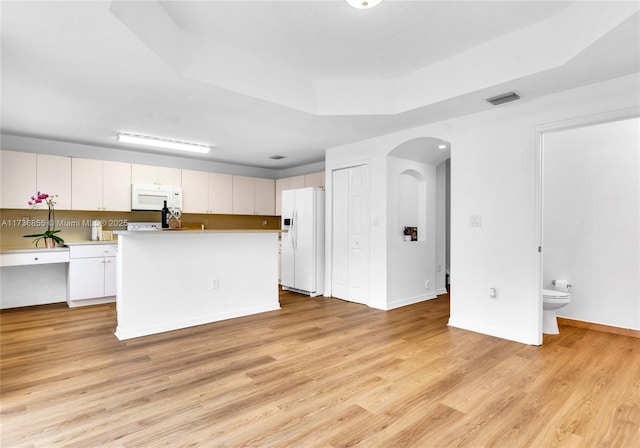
(172, 279)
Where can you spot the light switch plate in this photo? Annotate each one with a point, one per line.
(475, 221)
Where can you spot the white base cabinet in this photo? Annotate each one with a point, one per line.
(92, 274)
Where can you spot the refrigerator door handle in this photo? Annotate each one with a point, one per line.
(294, 228)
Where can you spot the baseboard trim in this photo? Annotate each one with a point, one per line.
(598, 327)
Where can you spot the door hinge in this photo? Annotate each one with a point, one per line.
(539, 249)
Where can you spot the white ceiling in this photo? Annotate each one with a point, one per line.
(329, 40)
(81, 71)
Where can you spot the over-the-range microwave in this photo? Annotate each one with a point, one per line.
(152, 197)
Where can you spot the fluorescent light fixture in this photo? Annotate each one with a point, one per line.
(162, 143)
(363, 4)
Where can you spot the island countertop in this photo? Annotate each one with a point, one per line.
(192, 231)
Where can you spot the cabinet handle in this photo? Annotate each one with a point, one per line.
(36, 258)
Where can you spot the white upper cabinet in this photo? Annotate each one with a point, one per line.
(314, 180)
(116, 186)
(220, 193)
(296, 182)
(291, 183)
(204, 192)
(195, 191)
(90, 184)
(18, 170)
(100, 185)
(243, 195)
(281, 185)
(24, 174)
(86, 184)
(264, 196)
(53, 176)
(155, 175)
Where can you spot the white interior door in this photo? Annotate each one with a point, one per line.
(358, 235)
(350, 235)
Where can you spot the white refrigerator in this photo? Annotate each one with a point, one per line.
(302, 262)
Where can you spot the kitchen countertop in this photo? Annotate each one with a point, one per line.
(64, 248)
(88, 242)
(26, 250)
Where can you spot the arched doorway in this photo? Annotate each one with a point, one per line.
(417, 178)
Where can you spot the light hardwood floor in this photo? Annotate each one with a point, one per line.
(318, 373)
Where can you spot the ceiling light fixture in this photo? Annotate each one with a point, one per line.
(442, 146)
(162, 143)
(363, 4)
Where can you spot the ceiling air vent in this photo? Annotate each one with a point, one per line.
(503, 98)
(277, 157)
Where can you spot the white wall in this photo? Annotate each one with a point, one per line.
(448, 215)
(441, 227)
(592, 220)
(493, 174)
(410, 263)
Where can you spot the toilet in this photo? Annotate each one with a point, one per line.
(551, 301)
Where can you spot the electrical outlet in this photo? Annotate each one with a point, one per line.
(215, 283)
(439, 268)
(493, 292)
(427, 284)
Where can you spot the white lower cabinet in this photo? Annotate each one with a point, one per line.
(92, 274)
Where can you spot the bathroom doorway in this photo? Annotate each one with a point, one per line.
(589, 219)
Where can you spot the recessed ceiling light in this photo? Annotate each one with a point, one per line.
(363, 4)
(442, 146)
(165, 143)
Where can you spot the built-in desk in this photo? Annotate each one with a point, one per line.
(174, 279)
(29, 257)
(33, 276)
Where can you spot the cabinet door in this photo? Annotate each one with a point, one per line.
(281, 185)
(155, 175)
(169, 176)
(195, 191)
(86, 278)
(18, 171)
(109, 276)
(243, 195)
(86, 184)
(314, 180)
(54, 177)
(220, 193)
(116, 186)
(144, 174)
(264, 196)
(296, 182)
